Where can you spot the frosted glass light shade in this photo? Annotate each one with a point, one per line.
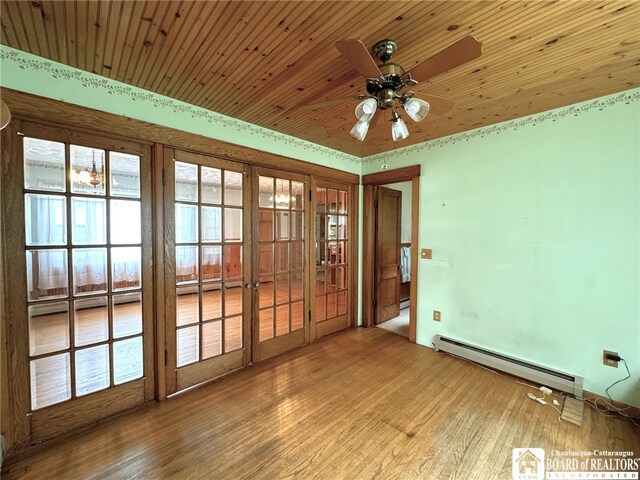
(366, 109)
(399, 129)
(360, 129)
(416, 108)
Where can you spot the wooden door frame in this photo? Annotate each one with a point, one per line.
(411, 173)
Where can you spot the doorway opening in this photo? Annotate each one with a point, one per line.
(390, 231)
(399, 323)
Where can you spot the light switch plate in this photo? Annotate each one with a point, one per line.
(425, 253)
(436, 316)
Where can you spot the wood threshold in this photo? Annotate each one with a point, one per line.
(211, 368)
(333, 325)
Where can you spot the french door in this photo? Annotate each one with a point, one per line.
(333, 257)
(207, 276)
(280, 266)
(84, 255)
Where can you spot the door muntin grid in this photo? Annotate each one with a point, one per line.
(84, 272)
(331, 253)
(281, 260)
(208, 262)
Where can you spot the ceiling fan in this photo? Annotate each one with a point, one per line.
(386, 83)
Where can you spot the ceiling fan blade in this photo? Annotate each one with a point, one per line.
(329, 103)
(456, 54)
(438, 105)
(359, 57)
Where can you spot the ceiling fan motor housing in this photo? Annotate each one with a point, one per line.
(386, 87)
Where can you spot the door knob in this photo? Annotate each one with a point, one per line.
(256, 285)
(247, 285)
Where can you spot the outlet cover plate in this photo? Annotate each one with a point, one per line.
(436, 316)
(606, 361)
(426, 253)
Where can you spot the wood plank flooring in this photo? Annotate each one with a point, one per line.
(360, 404)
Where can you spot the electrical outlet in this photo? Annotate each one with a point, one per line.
(426, 253)
(606, 361)
(436, 316)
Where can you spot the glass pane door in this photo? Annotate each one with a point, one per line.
(85, 256)
(332, 253)
(281, 271)
(208, 268)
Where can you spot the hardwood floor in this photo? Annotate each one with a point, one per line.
(360, 404)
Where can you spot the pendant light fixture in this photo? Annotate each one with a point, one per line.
(90, 175)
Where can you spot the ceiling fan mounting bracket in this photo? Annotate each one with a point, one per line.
(385, 49)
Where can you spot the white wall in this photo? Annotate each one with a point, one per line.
(405, 188)
(535, 231)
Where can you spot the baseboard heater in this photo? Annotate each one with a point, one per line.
(537, 374)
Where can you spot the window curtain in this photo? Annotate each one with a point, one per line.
(46, 226)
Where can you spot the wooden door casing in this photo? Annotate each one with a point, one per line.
(388, 225)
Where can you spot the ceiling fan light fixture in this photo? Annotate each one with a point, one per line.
(366, 109)
(360, 129)
(416, 108)
(399, 129)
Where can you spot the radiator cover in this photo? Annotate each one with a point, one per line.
(537, 374)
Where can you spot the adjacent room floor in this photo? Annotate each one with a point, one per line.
(398, 325)
(360, 404)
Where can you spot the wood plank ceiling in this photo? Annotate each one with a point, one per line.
(260, 61)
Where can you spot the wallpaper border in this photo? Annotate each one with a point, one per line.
(576, 109)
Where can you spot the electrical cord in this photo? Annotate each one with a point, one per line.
(605, 408)
(602, 407)
(619, 381)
